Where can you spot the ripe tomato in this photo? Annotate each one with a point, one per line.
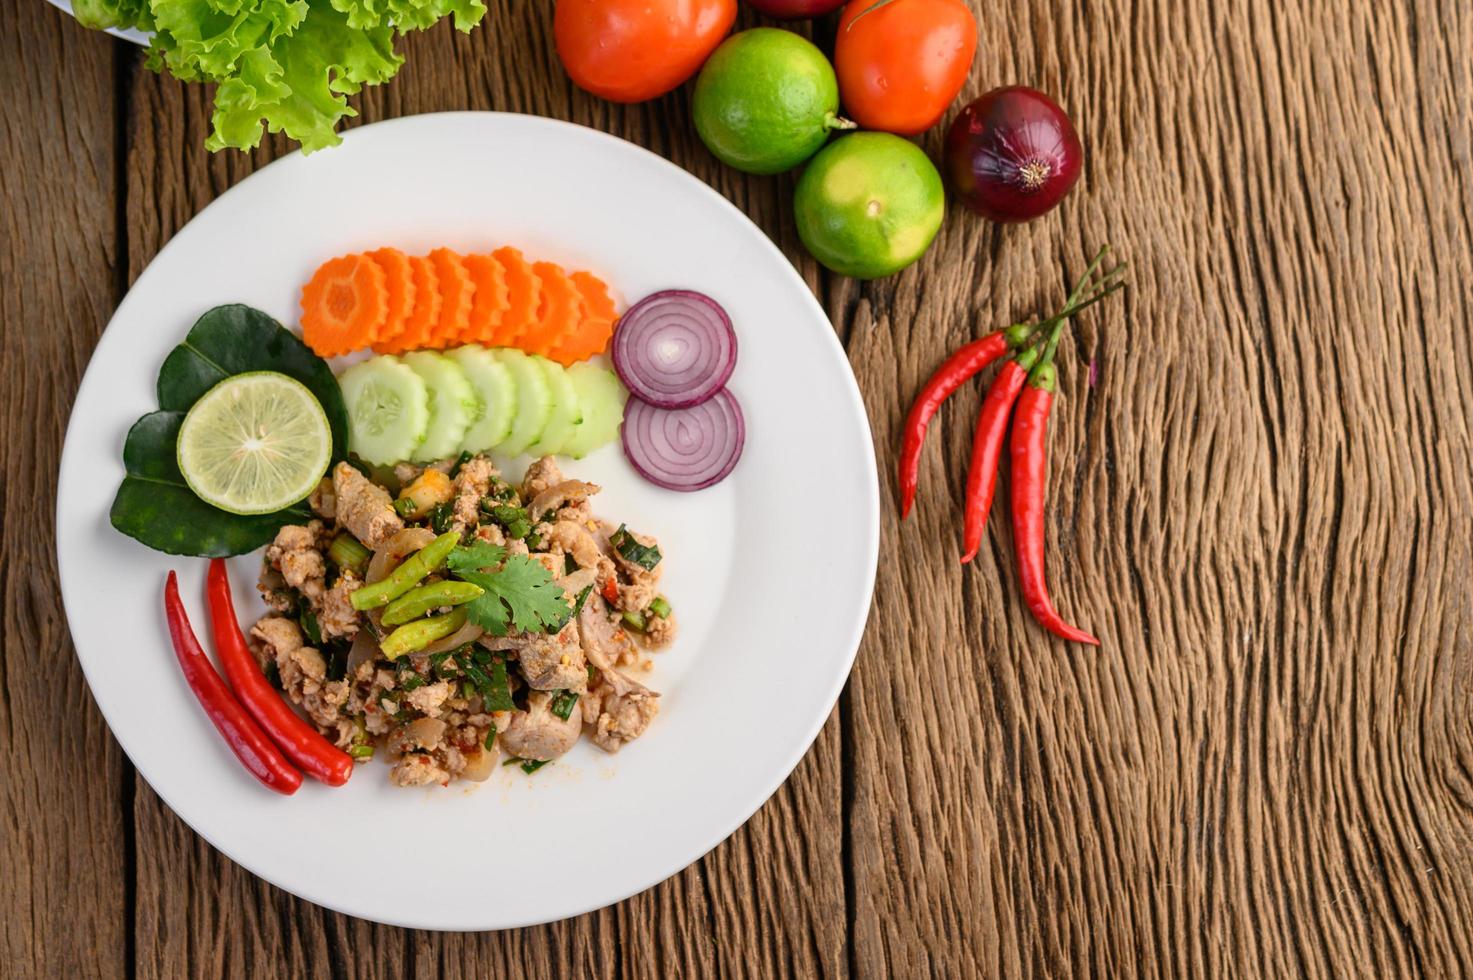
(901, 64)
(632, 50)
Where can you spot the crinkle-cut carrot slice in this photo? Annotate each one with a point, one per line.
(426, 312)
(491, 300)
(399, 292)
(557, 310)
(523, 291)
(598, 315)
(343, 305)
(457, 294)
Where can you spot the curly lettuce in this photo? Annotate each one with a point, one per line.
(282, 66)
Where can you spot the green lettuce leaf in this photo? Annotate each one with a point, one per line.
(283, 66)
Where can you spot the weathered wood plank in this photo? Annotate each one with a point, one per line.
(1264, 508)
(64, 847)
(768, 902)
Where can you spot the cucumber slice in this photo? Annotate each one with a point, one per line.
(601, 402)
(388, 409)
(565, 417)
(495, 391)
(453, 404)
(534, 401)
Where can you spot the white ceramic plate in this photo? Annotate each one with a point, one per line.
(127, 34)
(770, 572)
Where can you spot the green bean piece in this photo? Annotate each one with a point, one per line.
(348, 552)
(407, 575)
(425, 598)
(634, 621)
(660, 607)
(361, 751)
(421, 633)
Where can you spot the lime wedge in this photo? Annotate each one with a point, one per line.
(254, 443)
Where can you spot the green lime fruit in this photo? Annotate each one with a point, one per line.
(254, 443)
(869, 205)
(766, 100)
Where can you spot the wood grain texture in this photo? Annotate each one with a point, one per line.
(1264, 506)
(63, 839)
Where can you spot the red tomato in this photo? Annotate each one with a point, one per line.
(901, 64)
(632, 50)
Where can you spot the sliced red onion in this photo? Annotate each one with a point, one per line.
(685, 448)
(674, 348)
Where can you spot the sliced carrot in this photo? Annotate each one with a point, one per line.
(491, 300)
(523, 291)
(457, 293)
(557, 309)
(596, 326)
(426, 311)
(399, 286)
(343, 305)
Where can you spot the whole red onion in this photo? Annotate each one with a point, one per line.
(796, 9)
(1012, 154)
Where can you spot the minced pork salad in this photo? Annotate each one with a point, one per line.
(462, 618)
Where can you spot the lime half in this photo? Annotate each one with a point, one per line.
(254, 443)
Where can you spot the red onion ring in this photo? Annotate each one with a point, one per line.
(674, 348)
(688, 448)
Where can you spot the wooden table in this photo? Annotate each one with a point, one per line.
(1264, 505)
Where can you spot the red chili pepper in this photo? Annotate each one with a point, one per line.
(992, 425)
(241, 733)
(1030, 466)
(315, 755)
(969, 360)
(610, 591)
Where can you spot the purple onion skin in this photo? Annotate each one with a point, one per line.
(796, 9)
(1012, 154)
(633, 357)
(641, 430)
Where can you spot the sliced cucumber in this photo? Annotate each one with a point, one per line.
(601, 402)
(453, 404)
(496, 392)
(565, 417)
(534, 401)
(388, 409)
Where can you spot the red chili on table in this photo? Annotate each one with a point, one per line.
(969, 359)
(1030, 479)
(245, 738)
(992, 425)
(302, 743)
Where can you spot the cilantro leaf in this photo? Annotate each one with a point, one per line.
(519, 595)
(475, 557)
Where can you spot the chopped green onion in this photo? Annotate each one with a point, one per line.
(460, 461)
(634, 621)
(309, 625)
(490, 738)
(361, 751)
(563, 703)
(511, 761)
(534, 541)
(440, 516)
(530, 766)
(467, 690)
(482, 656)
(348, 552)
(404, 506)
(498, 695)
(592, 673)
(660, 607)
(645, 556)
(582, 598)
(477, 676)
(412, 682)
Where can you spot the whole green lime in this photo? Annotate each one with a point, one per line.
(869, 205)
(766, 100)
